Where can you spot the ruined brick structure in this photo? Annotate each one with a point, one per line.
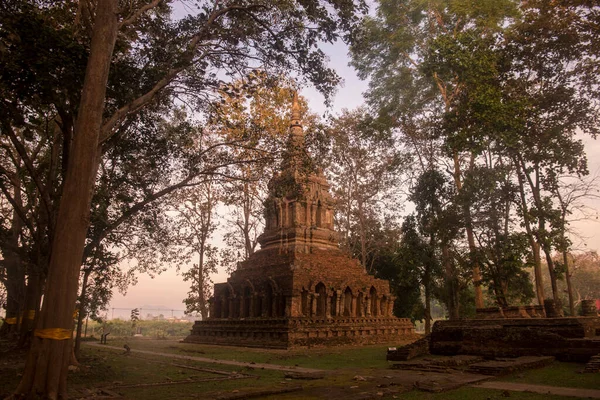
(299, 289)
(566, 338)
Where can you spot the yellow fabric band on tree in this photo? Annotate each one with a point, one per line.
(13, 320)
(54, 333)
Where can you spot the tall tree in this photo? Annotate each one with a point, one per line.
(196, 221)
(278, 35)
(586, 276)
(547, 80)
(419, 56)
(502, 249)
(417, 255)
(439, 222)
(365, 170)
(572, 195)
(14, 279)
(47, 362)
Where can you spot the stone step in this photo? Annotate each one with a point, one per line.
(505, 366)
(441, 364)
(421, 367)
(410, 351)
(593, 366)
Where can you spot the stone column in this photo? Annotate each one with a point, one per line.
(339, 304)
(211, 308)
(328, 307)
(390, 307)
(588, 308)
(550, 308)
(353, 306)
(288, 306)
(368, 306)
(251, 308)
(242, 306)
(275, 301)
(375, 302)
(360, 306)
(231, 307)
(223, 307)
(312, 304)
(265, 309)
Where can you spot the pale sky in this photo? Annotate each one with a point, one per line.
(168, 290)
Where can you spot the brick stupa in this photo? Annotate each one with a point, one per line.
(299, 289)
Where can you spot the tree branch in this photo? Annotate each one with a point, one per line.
(187, 60)
(138, 13)
(18, 208)
(32, 171)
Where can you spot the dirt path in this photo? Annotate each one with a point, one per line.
(212, 360)
(524, 387)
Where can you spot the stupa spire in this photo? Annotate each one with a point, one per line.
(296, 130)
(299, 210)
(295, 109)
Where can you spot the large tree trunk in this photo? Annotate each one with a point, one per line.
(476, 271)
(553, 281)
(535, 247)
(569, 286)
(362, 234)
(82, 310)
(47, 363)
(248, 242)
(537, 269)
(451, 279)
(427, 285)
(15, 273)
(33, 296)
(201, 297)
(565, 250)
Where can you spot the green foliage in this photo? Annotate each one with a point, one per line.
(585, 278)
(364, 166)
(392, 263)
(194, 211)
(498, 90)
(147, 149)
(432, 235)
(501, 253)
(561, 374)
(157, 329)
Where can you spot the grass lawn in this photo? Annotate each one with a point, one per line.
(327, 358)
(465, 393)
(139, 376)
(114, 371)
(558, 374)
(470, 393)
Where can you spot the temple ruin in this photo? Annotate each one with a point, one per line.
(299, 289)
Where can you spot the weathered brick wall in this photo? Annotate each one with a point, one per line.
(301, 332)
(289, 275)
(564, 338)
